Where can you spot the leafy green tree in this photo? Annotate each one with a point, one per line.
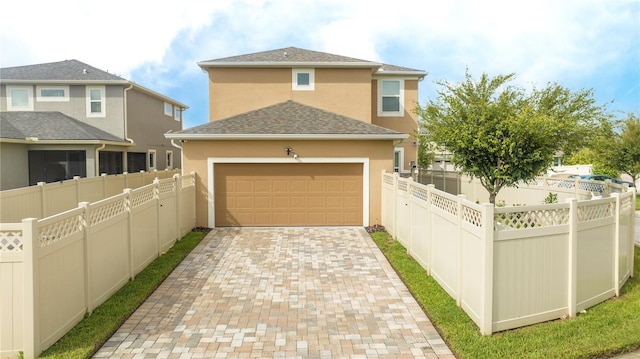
(595, 157)
(624, 154)
(425, 150)
(503, 135)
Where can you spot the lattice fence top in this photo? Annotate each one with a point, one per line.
(472, 216)
(445, 204)
(109, 210)
(531, 219)
(166, 186)
(11, 240)
(59, 230)
(420, 192)
(142, 196)
(626, 204)
(592, 212)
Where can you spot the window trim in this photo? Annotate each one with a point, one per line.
(103, 101)
(152, 157)
(29, 106)
(41, 98)
(294, 79)
(400, 112)
(400, 151)
(168, 109)
(169, 156)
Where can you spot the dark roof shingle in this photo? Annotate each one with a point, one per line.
(50, 126)
(68, 70)
(288, 118)
(291, 54)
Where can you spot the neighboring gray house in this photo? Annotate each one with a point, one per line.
(67, 118)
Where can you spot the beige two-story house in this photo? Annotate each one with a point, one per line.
(298, 137)
(64, 119)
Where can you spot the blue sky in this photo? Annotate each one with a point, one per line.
(580, 44)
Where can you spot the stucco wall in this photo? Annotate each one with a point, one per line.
(408, 123)
(234, 91)
(147, 125)
(14, 172)
(196, 154)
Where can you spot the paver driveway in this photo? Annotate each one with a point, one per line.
(280, 293)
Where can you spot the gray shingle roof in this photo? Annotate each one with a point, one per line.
(50, 126)
(287, 118)
(68, 70)
(297, 56)
(291, 54)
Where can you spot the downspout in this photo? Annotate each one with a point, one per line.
(96, 159)
(181, 152)
(126, 125)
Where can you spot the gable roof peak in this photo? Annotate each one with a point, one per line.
(67, 70)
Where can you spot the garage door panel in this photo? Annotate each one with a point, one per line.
(262, 203)
(280, 186)
(242, 186)
(288, 194)
(281, 202)
(298, 185)
(244, 203)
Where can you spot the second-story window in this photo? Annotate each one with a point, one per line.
(19, 98)
(96, 101)
(168, 109)
(177, 113)
(303, 79)
(390, 98)
(53, 93)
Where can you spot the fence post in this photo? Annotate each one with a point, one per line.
(127, 205)
(104, 185)
(394, 219)
(616, 244)
(430, 188)
(156, 196)
(410, 185)
(43, 200)
(31, 328)
(487, 300)
(572, 270)
(632, 219)
(87, 264)
(177, 186)
(461, 198)
(76, 180)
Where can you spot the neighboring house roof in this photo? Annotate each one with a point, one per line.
(293, 56)
(72, 72)
(51, 127)
(68, 70)
(291, 120)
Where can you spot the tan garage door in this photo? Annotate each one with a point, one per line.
(280, 194)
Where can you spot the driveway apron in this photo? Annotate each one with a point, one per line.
(280, 293)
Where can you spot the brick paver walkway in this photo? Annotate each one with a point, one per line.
(280, 293)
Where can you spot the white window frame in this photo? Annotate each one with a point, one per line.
(103, 101)
(400, 112)
(168, 109)
(176, 113)
(41, 98)
(29, 106)
(294, 80)
(169, 156)
(152, 159)
(400, 151)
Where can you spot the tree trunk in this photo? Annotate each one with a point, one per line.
(492, 197)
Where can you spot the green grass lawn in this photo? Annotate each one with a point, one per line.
(94, 330)
(606, 329)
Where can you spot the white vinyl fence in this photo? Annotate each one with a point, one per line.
(47, 199)
(55, 270)
(508, 267)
